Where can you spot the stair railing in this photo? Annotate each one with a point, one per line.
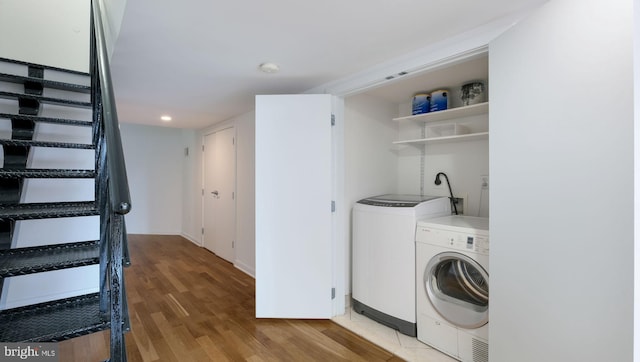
(112, 190)
(119, 187)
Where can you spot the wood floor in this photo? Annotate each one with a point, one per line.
(186, 304)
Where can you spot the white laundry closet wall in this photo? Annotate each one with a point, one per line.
(562, 207)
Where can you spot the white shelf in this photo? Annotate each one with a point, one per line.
(467, 111)
(463, 137)
(453, 116)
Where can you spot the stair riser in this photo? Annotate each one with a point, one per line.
(34, 85)
(43, 99)
(24, 261)
(37, 232)
(21, 143)
(56, 190)
(21, 68)
(37, 119)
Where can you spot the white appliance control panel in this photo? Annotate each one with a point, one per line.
(457, 232)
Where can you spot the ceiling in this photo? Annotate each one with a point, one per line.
(402, 91)
(197, 60)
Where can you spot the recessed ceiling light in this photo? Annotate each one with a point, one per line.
(269, 67)
(166, 118)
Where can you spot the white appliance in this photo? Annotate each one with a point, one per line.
(452, 286)
(383, 256)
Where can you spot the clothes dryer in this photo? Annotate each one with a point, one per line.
(452, 286)
(383, 256)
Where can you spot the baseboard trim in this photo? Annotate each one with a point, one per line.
(191, 239)
(245, 269)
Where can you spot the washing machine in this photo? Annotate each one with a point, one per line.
(452, 286)
(383, 256)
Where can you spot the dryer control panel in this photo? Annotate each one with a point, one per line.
(456, 232)
(454, 240)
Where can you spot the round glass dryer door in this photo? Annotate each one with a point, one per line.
(458, 288)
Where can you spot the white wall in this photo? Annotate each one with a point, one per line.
(52, 32)
(154, 158)
(245, 200)
(55, 32)
(463, 162)
(113, 13)
(562, 212)
(245, 188)
(370, 159)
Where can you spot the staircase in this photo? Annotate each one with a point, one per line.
(33, 98)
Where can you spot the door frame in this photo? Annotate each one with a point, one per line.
(206, 133)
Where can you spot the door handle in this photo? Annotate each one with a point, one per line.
(215, 193)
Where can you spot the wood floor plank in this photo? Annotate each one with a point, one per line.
(187, 304)
(210, 349)
(143, 342)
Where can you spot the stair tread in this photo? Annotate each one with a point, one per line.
(43, 99)
(67, 121)
(46, 210)
(45, 173)
(44, 258)
(53, 321)
(46, 83)
(45, 66)
(29, 143)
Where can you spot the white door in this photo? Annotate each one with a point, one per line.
(294, 176)
(219, 193)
